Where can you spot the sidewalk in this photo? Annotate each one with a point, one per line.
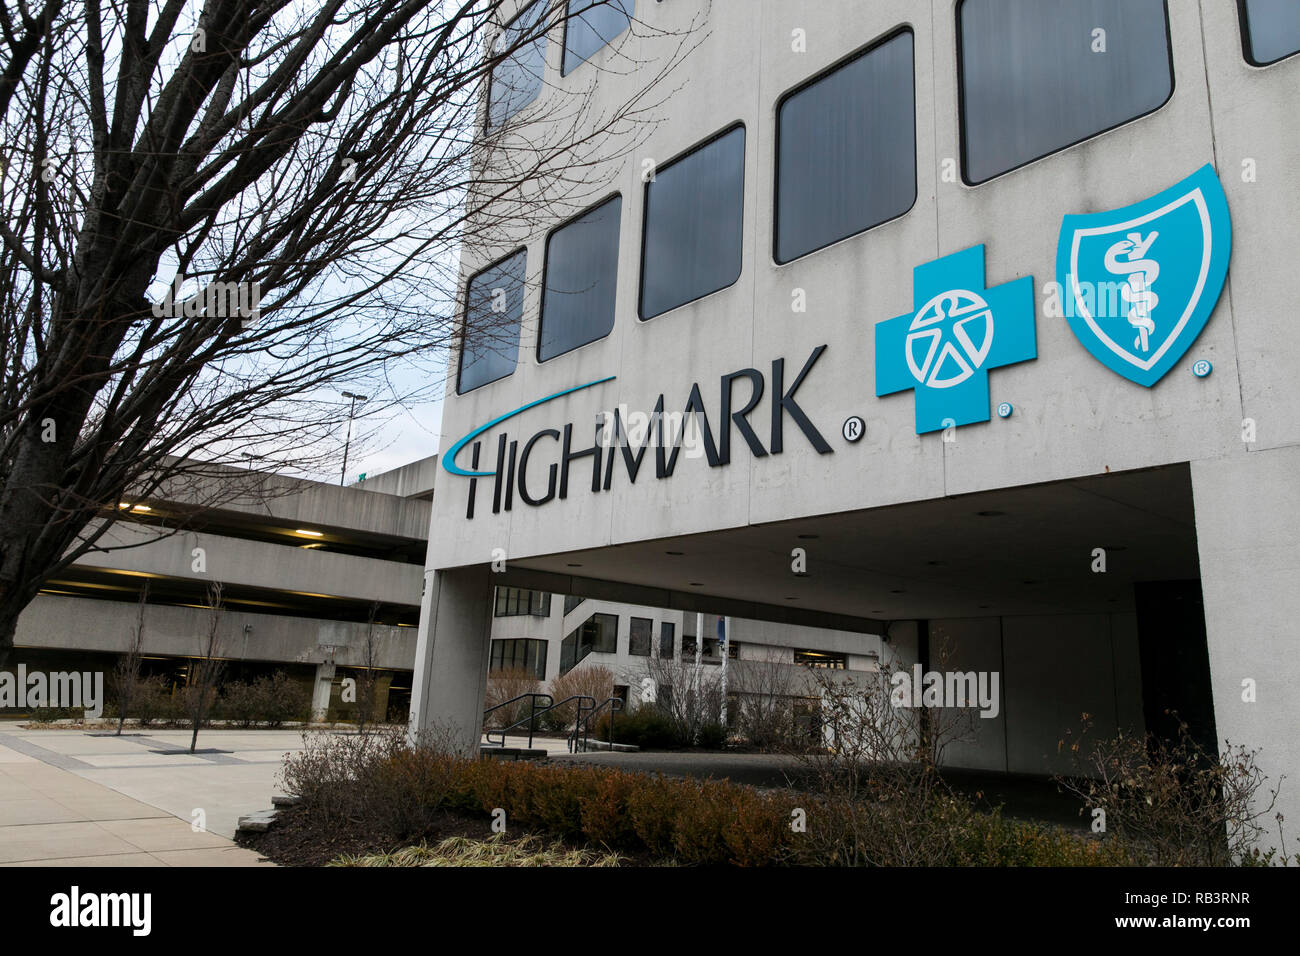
(51, 814)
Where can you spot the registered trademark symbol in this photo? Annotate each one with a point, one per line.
(854, 428)
(1202, 368)
(1005, 410)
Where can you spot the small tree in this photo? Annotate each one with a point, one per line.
(765, 693)
(206, 668)
(690, 697)
(366, 679)
(128, 665)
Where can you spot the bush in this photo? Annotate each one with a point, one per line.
(151, 700)
(506, 685)
(647, 727)
(267, 700)
(596, 682)
(650, 728)
(399, 791)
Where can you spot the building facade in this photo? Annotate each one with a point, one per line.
(977, 314)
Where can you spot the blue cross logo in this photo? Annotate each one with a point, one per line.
(959, 331)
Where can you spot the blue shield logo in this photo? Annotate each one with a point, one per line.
(1138, 284)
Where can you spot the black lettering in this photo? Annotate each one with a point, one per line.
(550, 474)
(786, 403)
(738, 417)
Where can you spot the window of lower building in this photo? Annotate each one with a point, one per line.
(1038, 76)
(1270, 30)
(581, 278)
(512, 602)
(639, 637)
(494, 308)
(692, 237)
(591, 25)
(520, 654)
(822, 659)
(667, 639)
(846, 150)
(709, 652)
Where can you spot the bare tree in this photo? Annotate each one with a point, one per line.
(215, 214)
(128, 665)
(366, 680)
(765, 695)
(205, 670)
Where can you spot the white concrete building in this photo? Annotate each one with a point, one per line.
(985, 305)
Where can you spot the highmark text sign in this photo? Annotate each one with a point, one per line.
(1137, 285)
(619, 435)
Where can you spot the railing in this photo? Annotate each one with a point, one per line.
(584, 703)
(582, 726)
(530, 720)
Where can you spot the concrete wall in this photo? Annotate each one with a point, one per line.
(255, 563)
(1053, 669)
(69, 623)
(1248, 532)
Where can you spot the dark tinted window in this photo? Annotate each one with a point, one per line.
(517, 79)
(638, 643)
(581, 276)
(522, 654)
(592, 24)
(515, 601)
(1271, 29)
(1040, 75)
(693, 219)
(494, 307)
(667, 636)
(846, 150)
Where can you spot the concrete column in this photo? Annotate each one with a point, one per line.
(320, 694)
(1248, 536)
(451, 654)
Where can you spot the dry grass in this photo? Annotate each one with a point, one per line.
(496, 850)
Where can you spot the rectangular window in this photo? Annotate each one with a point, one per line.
(512, 602)
(591, 25)
(1040, 75)
(581, 278)
(639, 637)
(846, 150)
(520, 654)
(603, 630)
(692, 238)
(571, 601)
(494, 308)
(667, 638)
(821, 659)
(517, 79)
(1270, 30)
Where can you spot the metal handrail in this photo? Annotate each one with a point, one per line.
(531, 720)
(583, 724)
(534, 714)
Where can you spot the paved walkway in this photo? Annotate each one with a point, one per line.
(72, 798)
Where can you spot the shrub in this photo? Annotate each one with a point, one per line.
(1183, 805)
(269, 700)
(151, 700)
(505, 685)
(399, 790)
(585, 680)
(647, 727)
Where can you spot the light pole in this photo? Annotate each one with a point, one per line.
(348, 442)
